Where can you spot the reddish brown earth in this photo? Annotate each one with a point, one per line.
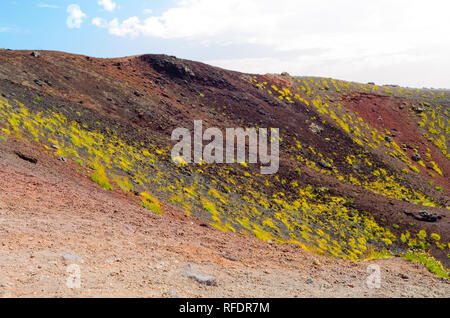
(52, 208)
(386, 113)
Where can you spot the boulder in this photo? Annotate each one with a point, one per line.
(325, 165)
(192, 273)
(416, 157)
(424, 216)
(26, 157)
(316, 129)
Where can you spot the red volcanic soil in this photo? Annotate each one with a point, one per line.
(52, 216)
(387, 113)
(51, 208)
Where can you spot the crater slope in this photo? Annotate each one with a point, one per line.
(363, 168)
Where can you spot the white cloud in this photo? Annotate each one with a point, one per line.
(415, 71)
(125, 28)
(100, 22)
(148, 11)
(46, 5)
(129, 27)
(76, 16)
(353, 37)
(108, 5)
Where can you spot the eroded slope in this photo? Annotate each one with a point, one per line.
(346, 187)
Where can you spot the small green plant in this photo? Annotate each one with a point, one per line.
(151, 203)
(433, 265)
(99, 176)
(422, 234)
(3, 138)
(123, 183)
(375, 254)
(439, 189)
(435, 237)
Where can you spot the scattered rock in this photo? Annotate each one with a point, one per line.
(26, 157)
(428, 217)
(418, 110)
(261, 112)
(36, 54)
(169, 65)
(63, 159)
(68, 257)
(325, 165)
(316, 263)
(192, 273)
(230, 258)
(38, 82)
(416, 157)
(309, 281)
(285, 74)
(173, 294)
(55, 146)
(316, 129)
(424, 216)
(388, 139)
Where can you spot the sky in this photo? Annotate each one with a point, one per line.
(404, 42)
